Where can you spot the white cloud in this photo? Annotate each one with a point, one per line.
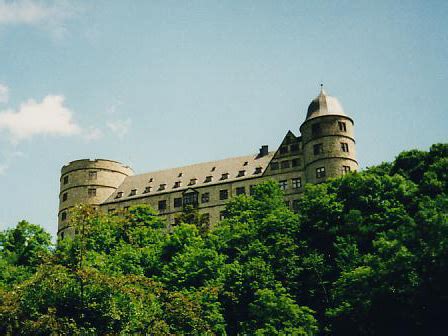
(119, 127)
(92, 134)
(49, 117)
(33, 12)
(8, 158)
(4, 93)
(48, 15)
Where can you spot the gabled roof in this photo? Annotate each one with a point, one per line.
(193, 176)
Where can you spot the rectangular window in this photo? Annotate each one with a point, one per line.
(240, 191)
(225, 176)
(295, 162)
(208, 179)
(133, 192)
(64, 197)
(162, 186)
(147, 190)
(192, 181)
(205, 197)
(294, 148)
(65, 179)
(344, 147)
(63, 216)
(252, 190)
(315, 129)
(176, 221)
(92, 175)
(222, 215)
(178, 202)
(111, 210)
(296, 183)
(342, 126)
(177, 184)
(284, 164)
(223, 194)
(320, 172)
(283, 184)
(274, 165)
(345, 170)
(126, 209)
(283, 149)
(162, 205)
(119, 194)
(258, 170)
(295, 205)
(318, 149)
(191, 199)
(91, 192)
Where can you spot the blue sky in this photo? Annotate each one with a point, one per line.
(158, 84)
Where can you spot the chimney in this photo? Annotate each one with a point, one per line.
(263, 151)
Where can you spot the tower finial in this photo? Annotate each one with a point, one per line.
(322, 92)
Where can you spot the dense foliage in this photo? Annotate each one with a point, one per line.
(366, 254)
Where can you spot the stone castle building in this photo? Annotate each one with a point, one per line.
(324, 149)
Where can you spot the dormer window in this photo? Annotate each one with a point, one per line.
(193, 181)
(147, 190)
(180, 174)
(177, 184)
(119, 194)
(245, 163)
(150, 180)
(162, 186)
(208, 179)
(225, 176)
(241, 173)
(213, 169)
(258, 170)
(133, 192)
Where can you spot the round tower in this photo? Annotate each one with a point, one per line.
(328, 140)
(87, 182)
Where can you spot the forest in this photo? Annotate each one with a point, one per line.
(364, 254)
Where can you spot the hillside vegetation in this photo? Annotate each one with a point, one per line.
(366, 254)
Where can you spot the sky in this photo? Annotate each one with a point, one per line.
(159, 84)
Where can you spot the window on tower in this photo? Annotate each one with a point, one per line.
(344, 147)
(345, 170)
(315, 129)
(91, 192)
(320, 172)
(65, 179)
(318, 149)
(342, 126)
(64, 197)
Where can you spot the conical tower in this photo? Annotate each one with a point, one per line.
(328, 140)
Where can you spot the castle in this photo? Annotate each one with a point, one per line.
(324, 149)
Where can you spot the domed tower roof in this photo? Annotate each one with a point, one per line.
(324, 105)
